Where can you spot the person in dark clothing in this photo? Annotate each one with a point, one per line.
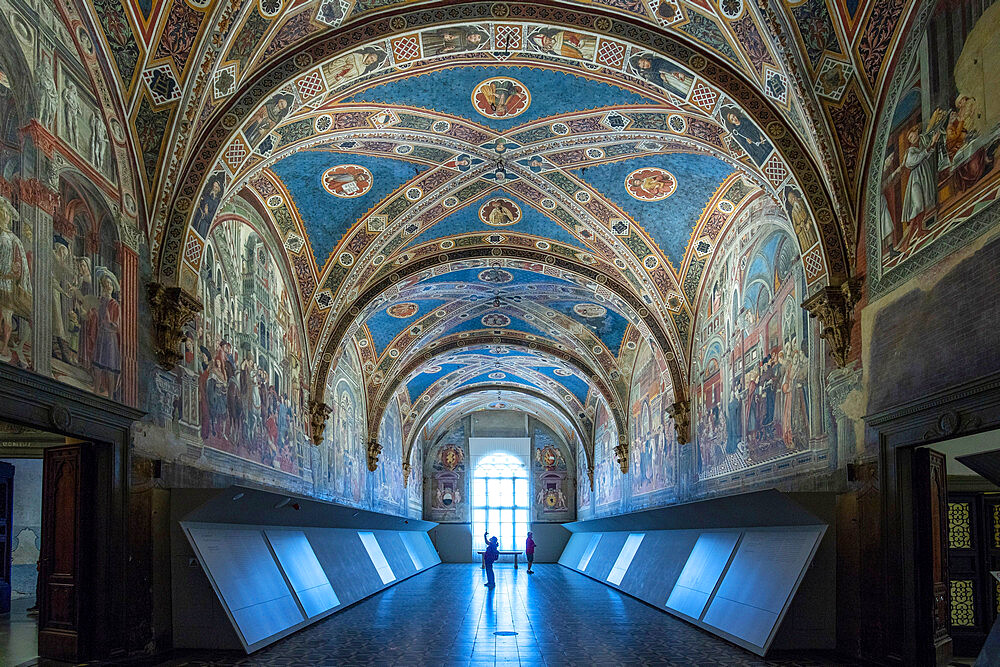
(490, 557)
(529, 552)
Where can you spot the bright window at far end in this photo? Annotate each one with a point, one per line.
(500, 501)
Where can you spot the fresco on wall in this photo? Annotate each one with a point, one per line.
(750, 394)
(415, 487)
(552, 478)
(387, 481)
(250, 390)
(66, 104)
(941, 153)
(16, 289)
(345, 461)
(446, 471)
(86, 293)
(607, 474)
(583, 490)
(653, 440)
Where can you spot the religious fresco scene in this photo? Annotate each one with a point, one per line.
(421, 267)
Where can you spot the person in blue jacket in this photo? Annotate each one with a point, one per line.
(490, 557)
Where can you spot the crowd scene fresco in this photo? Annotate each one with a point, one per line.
(248, 353)
(751, 401)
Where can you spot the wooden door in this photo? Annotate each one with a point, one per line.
(6, 532)
(65, 480)
(930, 485)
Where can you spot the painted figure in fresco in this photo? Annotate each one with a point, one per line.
(62, 294)
(795, 206)
(747, 135)
(267, 118)
(107, 360)
(49, 94)
(71, 113)
(208, 205)
(921, 186)
(501, 97)
(15, 278)
(661, 72)
(455, 39)
(98, 141)
(558, 42)
(354, 65)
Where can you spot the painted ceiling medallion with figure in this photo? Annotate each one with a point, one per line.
(501, 98)
(590, 310)
(347, 180)
(402, 310)
(500, 212)
(650, 184)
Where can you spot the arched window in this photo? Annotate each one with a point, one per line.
(500, 501)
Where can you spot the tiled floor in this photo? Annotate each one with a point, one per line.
(18, 633)
(446, 617)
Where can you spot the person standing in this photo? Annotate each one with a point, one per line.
(490, 557)
(529, 552)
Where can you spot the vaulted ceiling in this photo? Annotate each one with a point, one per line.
(488, 196)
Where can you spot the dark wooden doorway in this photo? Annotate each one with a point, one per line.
(67, 478)
(6, 533)
(973, 552)
(930, 489)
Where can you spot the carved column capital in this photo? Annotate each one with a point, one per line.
(621, 453)
(318, 414)
(171, 308)
(406, 475)
(680, 412)
(374, 450)
(833, 306)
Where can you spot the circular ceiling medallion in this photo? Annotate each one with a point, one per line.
(450, 202)
(441, 126)
(726, 206)
(496, 276)
(414, 193)
(402, 310)
(582, 196)
(274, 201)
(494, 320)
(590, 310)
(562, 372)
(500, 212)
(501, 97)
(497, 376)
(347, 180)
(542, 245)
(447, 244)
(432, 370)
(650, 184)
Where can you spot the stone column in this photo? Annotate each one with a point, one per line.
(841, 382)
(129, 299)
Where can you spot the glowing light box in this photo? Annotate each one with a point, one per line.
(302, 569)
(247, 580)
(625, 558)
(591, 548)
(385, 572)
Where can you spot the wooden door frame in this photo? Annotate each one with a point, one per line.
(894, 433)
(42, 403)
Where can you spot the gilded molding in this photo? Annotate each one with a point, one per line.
(171, 308)
(680, 412)
(318, 413)
(833, 306)
(621, 453)
(374, 450)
